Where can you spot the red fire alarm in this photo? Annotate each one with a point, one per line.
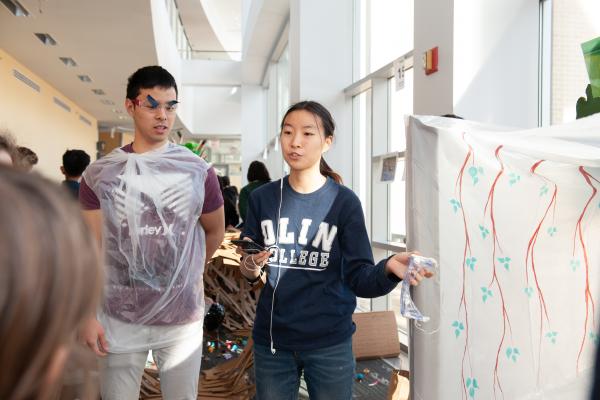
(430, 60)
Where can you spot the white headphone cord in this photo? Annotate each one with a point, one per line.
(278, 265)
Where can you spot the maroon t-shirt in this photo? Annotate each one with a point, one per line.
(213, 198)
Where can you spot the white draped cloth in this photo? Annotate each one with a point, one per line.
(513, 216)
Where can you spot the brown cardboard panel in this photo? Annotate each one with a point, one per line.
(376, 335)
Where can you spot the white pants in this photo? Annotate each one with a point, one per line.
(178, 366)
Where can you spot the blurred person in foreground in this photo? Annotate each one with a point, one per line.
(47, 290)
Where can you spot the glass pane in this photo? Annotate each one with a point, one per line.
(573, 22)
(401, 105)
(283, 83)
(361, 127)
(362, 124)
(385, 32)
(391, 33)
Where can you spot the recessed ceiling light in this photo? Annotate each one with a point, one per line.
(46, 39)
(68, 61)
(99, 92)
(122, 117)
(117, 111)
(107, 102)
(84, 78)
(15, 8)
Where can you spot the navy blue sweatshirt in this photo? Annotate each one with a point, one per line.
(323, 260)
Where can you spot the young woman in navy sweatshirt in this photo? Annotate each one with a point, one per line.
(318, 258)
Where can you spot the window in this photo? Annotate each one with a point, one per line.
(573, 22)
(385, 32)
(278, 101)
(383, 40)
(401, 105)
(362, 160)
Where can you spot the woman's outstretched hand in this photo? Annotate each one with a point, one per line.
(398, 265)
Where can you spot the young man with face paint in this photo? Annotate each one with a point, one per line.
(157, 210)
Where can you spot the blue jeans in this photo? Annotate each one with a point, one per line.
(328, 372)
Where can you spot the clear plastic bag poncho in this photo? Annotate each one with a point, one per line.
(153, 243)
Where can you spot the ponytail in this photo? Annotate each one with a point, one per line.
(326, 170)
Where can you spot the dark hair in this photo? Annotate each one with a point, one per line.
(26, 158)
(75, 162)
(47, 291)
(226, 181)
(328, 127)
(149, 77)
(452, 116)
(257, 171)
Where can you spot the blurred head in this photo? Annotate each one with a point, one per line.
(152, 102)
(27, 159)
(8, 149)
(257, 171)
(225, 180)
(50, 282)
(306, 133)
(74, 162)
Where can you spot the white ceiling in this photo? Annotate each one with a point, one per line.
(213, 25)
(108, 40)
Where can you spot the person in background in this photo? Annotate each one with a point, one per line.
(26, 159)
(257, 176)
(8, 149)
(230, 195)
(74, 162)
(48, 290)
(318, 259)
(229, 191)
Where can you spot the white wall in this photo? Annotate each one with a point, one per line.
(209, 103)
(320, 46)
(211, 72)
(216, 111)
(488, 60)
(38, 123)
(496, 61)
(253, 126)
(433, 27)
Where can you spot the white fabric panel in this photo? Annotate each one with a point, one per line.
(514, 219)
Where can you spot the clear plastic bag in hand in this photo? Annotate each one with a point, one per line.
(408, 309)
